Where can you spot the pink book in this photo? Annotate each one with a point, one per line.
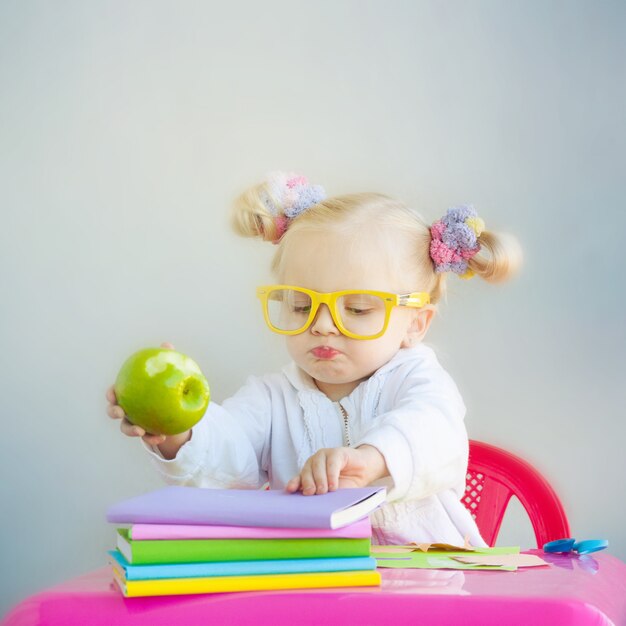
(357, 530)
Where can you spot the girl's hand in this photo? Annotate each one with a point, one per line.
(335, 468)
(115, 411)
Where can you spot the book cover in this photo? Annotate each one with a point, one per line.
(248, 507)
(239, 568)
(357, 530)
(221, 584)
(198, 550)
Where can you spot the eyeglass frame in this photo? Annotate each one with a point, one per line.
(416, 299)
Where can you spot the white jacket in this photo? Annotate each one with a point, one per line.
(409, 409)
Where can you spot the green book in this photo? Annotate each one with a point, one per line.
(206, 550)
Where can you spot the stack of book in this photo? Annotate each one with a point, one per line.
(187, 540)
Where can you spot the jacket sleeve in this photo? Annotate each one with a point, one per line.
(229, 446)
(423, 437)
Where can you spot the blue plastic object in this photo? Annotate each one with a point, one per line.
(559, 546)
(564, 546)
(590, 545)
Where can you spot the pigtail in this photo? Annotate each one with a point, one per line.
(499, 258)
(267, 209)
(251, 217)
(460, 244)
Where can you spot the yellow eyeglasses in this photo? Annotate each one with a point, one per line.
(358, 314)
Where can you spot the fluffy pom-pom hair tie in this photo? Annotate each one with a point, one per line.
(288, 195)
(454, 240)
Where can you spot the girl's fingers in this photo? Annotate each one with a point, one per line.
(334, 465)
(115, 412)
(167, 345)
(293, 485)
(320, 473)
(307, 484)
(110, 395)
(131, 430)
(153, 440)
(318, 468)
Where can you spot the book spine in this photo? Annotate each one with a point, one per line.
(140, 588)
(359, 530)
(199, 550)
(241, 568)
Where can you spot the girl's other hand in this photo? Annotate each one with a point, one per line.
(337, 468)
(115, 411)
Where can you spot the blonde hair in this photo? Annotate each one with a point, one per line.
(349, 214)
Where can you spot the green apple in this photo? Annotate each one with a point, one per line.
(162, 390)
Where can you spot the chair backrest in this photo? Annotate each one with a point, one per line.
(493, 476)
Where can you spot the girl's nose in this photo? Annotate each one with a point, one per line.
(323, 324)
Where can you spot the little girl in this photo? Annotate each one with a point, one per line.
(364, 401)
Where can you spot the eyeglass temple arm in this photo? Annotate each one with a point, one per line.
(413, 299)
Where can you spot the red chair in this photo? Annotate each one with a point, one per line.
(493, 476)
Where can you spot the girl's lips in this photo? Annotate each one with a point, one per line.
(324, 352)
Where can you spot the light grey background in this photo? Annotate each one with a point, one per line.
(126, 129)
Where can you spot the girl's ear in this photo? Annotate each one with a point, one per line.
(419, 326)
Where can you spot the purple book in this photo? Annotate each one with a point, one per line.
(248, 507)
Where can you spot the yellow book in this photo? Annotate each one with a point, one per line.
(221, 584)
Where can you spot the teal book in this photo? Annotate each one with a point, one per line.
(240, 568)
(163, 551)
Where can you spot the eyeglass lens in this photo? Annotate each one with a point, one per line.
(359, 313)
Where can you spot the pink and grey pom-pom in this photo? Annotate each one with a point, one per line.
(304, 198)
(454, 240)
(290, 194)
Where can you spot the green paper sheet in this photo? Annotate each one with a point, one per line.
(440, 559)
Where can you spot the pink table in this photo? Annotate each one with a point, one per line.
(574, 590)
